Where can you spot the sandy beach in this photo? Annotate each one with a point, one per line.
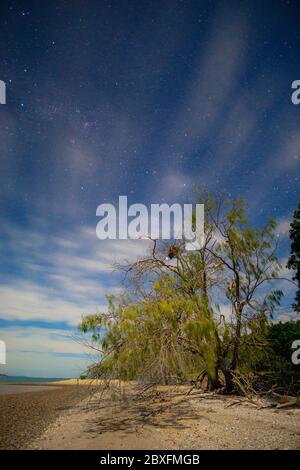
(69, 416)
(167, 419)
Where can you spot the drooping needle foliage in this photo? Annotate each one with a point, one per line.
(194, 316)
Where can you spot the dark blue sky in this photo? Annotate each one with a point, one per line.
(142, 98)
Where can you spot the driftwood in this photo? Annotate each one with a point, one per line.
(286, 400)
(280, 401)
(174, 396)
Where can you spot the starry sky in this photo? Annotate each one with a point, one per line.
(137, 98)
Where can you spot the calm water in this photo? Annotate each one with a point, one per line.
(18, 379)
(17, 384)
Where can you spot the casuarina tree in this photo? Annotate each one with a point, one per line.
(294, 260)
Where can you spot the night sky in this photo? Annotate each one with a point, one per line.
(136, 98)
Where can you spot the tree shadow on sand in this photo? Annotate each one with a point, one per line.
(132, 413)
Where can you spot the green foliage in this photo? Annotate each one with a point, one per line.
(170, 327)
(294, 260)
(280, 338)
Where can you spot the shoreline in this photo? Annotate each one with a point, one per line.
(13, 389)
(81, 417)
(24, 416)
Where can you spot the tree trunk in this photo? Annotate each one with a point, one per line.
(236, 348)
(213, 383)
(229, 384)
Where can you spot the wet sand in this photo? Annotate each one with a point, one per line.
(11, 389)
(24, 416)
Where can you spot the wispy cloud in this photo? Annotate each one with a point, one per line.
(65, 277)
(59, 354)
